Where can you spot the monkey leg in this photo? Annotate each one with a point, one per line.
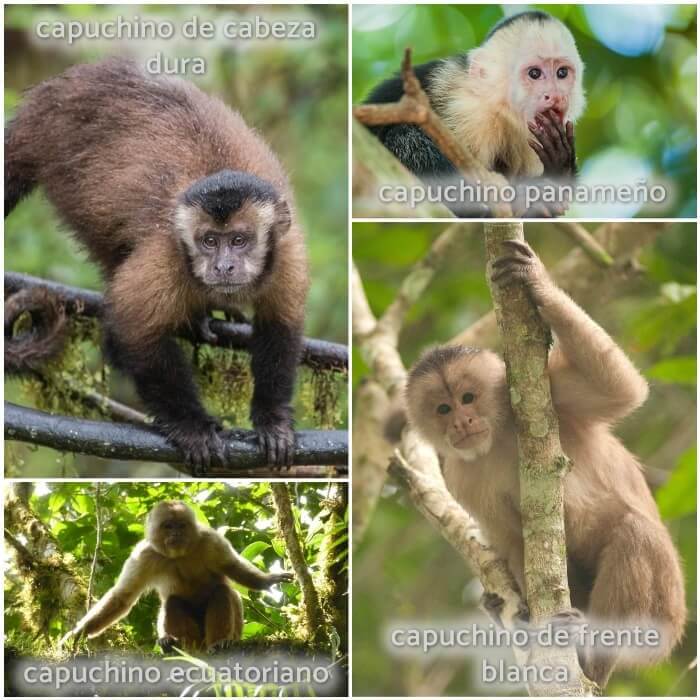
(178, 625)
(223, 620)
(164, 382)
(639, 582)
(276, 349)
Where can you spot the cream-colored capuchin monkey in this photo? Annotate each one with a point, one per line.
(623, 568)
(189, 565)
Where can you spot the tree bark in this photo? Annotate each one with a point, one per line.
(525, 340)
(315, 619)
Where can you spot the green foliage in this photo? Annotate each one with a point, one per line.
(640, 121)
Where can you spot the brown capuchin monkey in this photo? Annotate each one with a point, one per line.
(622, 565)
(189, 565)
(512, 102)
(186, 210)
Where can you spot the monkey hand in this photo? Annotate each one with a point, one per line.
(275, 435)
(203, 331)
(71, 638)
(281, 577)
(554, 144)
(521, 264)
(201, 444)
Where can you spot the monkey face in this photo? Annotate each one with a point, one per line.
(457, 401)
(536, 67)
(228, 224)
(172, 529)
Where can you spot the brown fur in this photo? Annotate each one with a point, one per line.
(189, 565)
(123, 146)
(623, 566)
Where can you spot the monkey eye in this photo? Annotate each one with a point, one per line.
(468, 397)
(443, 408)
(562, 72)
(239, 240)
(534, 73)
(209, 241)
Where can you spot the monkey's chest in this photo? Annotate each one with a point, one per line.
(187, 580)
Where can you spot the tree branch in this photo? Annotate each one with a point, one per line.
(128, 442)
(315, 620)
(317, 354)
(543, 464)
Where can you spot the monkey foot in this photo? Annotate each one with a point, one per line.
(222, 646)
(201, 445)
(493, 604)
(570, 619)
(168, 644)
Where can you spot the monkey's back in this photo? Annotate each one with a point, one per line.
(113, 147)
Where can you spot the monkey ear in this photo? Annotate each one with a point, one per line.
(283, 218)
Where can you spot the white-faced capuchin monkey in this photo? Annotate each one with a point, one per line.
(189, 565)
(512, 102)
(186, 210)
(622, 565)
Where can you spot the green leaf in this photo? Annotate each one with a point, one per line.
(253, 549)
(676, 370)
(677, 497)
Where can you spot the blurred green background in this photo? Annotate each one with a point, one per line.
(293, 91)
(640, 78)
(402, 569)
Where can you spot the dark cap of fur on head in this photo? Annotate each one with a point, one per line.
(528, 15)
(434, 359)
(224, 193)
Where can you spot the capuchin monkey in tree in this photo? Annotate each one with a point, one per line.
(189, 565)
(512, 102)
(186, 210)
(622, 565)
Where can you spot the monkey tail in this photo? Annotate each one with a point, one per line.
(19, 175)
(27, 349)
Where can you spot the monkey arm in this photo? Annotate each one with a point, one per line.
(144, 303)
(134, 578)
(589, 372)
(222, 557)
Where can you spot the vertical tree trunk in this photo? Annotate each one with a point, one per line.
(526, 341)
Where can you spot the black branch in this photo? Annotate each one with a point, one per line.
(316, 451)
(317, 354)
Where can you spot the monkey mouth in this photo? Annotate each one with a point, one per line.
(559, 114)
(465, 439)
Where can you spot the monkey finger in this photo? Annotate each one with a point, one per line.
(557, 130)
(520, 246)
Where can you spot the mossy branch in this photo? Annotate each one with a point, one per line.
(319, 453)
(315, 620)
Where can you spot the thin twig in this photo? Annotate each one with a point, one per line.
(588, 244)
(98, 545)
